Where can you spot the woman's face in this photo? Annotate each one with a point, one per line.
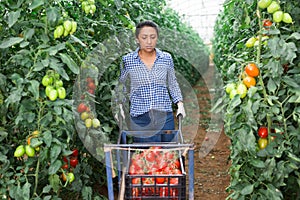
(147, 38)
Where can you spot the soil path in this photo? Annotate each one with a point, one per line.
(211, 146)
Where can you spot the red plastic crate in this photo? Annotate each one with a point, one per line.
(136, 188)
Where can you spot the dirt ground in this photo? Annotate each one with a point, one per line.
(211, 147)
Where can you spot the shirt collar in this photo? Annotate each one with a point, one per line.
(159, 53)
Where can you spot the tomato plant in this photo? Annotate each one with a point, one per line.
(267, 103)
(44, 46)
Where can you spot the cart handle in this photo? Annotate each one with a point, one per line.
(180, 117)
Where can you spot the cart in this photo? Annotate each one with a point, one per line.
(132, 186)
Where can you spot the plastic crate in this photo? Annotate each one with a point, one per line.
(154, 190)
(148, 186)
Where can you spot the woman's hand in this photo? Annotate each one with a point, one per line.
(180, 109)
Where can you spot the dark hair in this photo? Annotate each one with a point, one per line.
(143, 24)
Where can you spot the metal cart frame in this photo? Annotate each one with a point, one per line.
(122, 145)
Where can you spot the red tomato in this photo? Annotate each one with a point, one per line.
(89, 80)
(263, 132)
(162, 164)
(176, 171)
(267, 23)
(81, 107)
(160, 179)
(169, 155)
(65, 166)
(73, 162)
(155, 150)
(174, 181)
(136, 181)
(150, 156)
(91, 85)
(65, 159)
(75, 153)
(91, 91)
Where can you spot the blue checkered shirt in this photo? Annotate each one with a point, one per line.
(150, 89)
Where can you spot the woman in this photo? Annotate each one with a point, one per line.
(152, 83)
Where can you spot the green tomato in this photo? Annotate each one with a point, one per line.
(60, 30)
(264, 3)
(70, 177)
(88, 122)
(230, 87)
(61, 92)
(287, 18)
(56, 75)
(84, 115)
(87, 9)
(47, 80)
(55, 34)
(84, 4)
(233, 93)
(91, 2)
(19, 152)
(48, 89)
(53, 94)
(278, 16)
(250, 42)
(96, 123)
(242, 90)
(262, 143)
(68, 25)
(273, 7)
(74, 27)
(58, 83)
(92, 9)
(30, 151)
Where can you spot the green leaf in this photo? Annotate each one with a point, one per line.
(58, 67)
(70, 63)
(34, 89)
(26, 190)
(257, 163)
(47, 137)
(47, 189)
(295, 35)
(118, 4)
(54, 167)
(86, 192)
(54, 153)
(54, 182)
(53, 15)
(247, 190)
(3, 135)
(10, 42)
(271, 85)
(13, 17)
(291, 82)
(35, 4)
(54, 49)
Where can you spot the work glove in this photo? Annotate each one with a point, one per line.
(121, 112)
(180, 109)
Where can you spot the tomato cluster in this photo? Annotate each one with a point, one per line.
(29, 149)
(251, 71)
(273, 8)
(263, 137)
(88, 6)
(158, 166)
(70, 162)
(66, 28)
(54, 86)
(83, 108)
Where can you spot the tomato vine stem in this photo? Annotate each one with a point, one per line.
(258, 62)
